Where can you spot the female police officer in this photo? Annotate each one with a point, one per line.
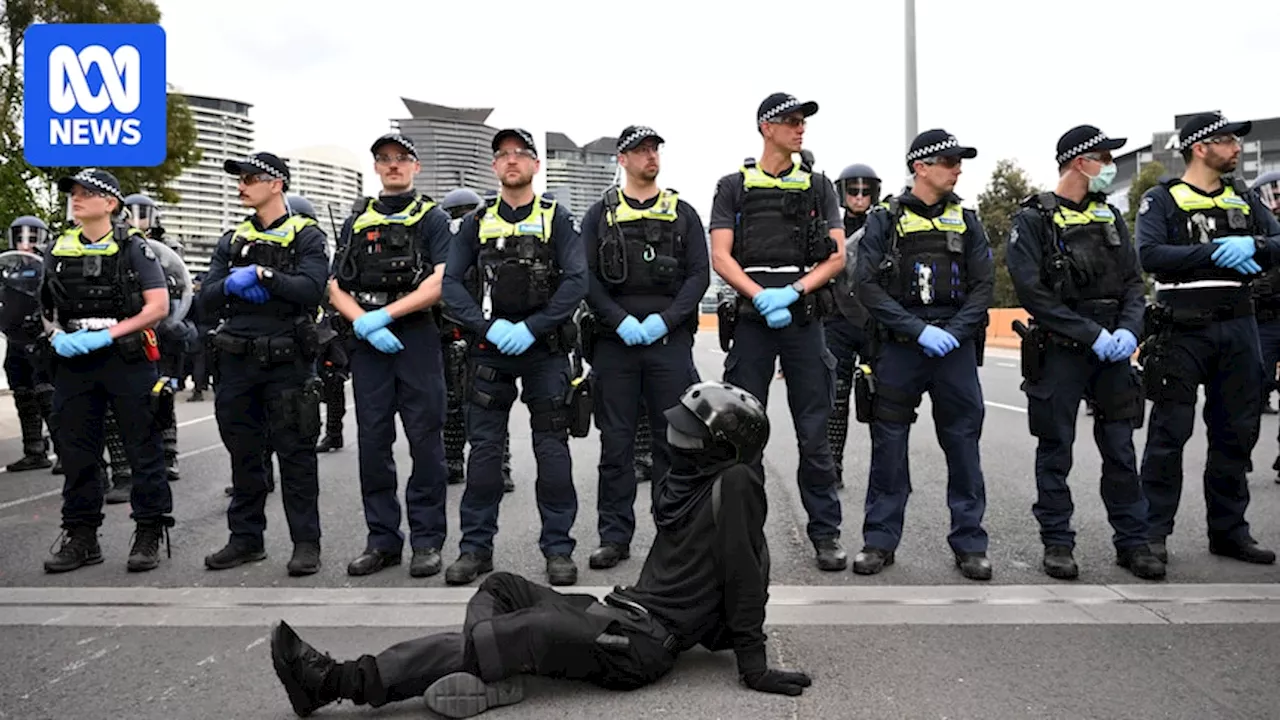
(104, 291)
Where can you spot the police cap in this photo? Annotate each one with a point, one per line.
(938, 143)
(631, 137)
(259, 163)
(779, 104)
(403, 141)
(1206, 125)
(520, 134)
(99, 181)
(1083, 139)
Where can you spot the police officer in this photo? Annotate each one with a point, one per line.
(858, 187)
(386, 277)
(458, 203)
(333, 367)
(776, 238)
(649, 270)
(925, 275)
(705, 582)
(267, 277)
(1076, 272)
(1266, 300)
(515, 275)
(1204, 236)
(32, 389)
(103, 292)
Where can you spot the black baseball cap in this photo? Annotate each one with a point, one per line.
(1206, 125)
(631, 137)
(1083, 139)
(938, 143)
(403, 141)
(520, 134)
(259, 163)
(779, 104)
(95, 180)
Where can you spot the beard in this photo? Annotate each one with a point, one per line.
(1224, 165)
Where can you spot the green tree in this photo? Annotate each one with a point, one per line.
(1009, 186)
(1148, 177)
(25, 189)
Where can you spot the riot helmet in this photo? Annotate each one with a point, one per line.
(144, 214)
(299, 205)
(28, 233)
(1268, 188)
(712, 414)
(460, 202)
(858, 179)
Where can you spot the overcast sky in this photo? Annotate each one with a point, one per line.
(1006, 76)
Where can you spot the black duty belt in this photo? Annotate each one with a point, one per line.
(1182, 312)
(266, 349)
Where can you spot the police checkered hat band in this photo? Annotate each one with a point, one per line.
(1202, 133)
(264, 167)
(397, 138)
(634, 135)
(99, 180)
(1080, 149)
(779, 104)
(934, 149)
(779, 109)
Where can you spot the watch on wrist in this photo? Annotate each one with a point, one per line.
(798, 287)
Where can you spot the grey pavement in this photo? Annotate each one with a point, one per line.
(917, 641)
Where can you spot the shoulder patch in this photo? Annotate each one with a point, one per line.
(1013, 235)
(147, 252)
(577, 224)
(454, 225)
(1145, 206)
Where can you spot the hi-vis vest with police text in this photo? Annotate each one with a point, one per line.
(651, 243)
(1085, 260)
(1201, 219)
(776, 228)
(383, 255)
(933, 266)
(95, 280)
(272, 248)
(516, 262)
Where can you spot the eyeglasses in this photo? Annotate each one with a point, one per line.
(1104, 158)
(384, 159)
(84, 192)
(255, 179)
(517, 153)
(946, 162)
(1222, 140)
(790, 121)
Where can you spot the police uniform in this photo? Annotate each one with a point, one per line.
(705, 582)
(648, 263)
(922, 266)
(510, 270)
(334, 368)
(780, 232)
(1075, 271)
(266, 386)
(1203, 332)
(91, 284)
(27, 375)
(387, 249)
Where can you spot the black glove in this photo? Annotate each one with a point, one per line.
(778, 682)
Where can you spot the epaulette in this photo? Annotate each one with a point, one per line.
(360, 205)
(546, 203)
(1240, 186)
(610, 198)
(749, 162)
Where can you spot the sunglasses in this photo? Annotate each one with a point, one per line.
(946, 162)
(790, 121)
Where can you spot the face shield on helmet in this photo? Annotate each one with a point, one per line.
(1269, 193)
(143, 216)
(865, 187)
(28, 237)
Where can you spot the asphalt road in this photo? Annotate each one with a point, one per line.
(917, 641)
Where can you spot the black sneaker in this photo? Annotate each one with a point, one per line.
(233, 555)
(463, 695)
(145, 553)
(1059, 563)
(79, 548)
(468, 567)
(301, 669)
(305, 560)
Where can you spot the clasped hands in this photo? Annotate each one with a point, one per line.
(243, 283)
(1236, 253)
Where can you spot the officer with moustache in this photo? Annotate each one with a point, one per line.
(1076, 272)
(266, 279)
(649, 270)
(1204, 237)
(515, 275)
(387, 274)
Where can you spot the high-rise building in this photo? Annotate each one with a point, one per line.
(453, 146)
(327, 176)
(209, 202)
(578, 176)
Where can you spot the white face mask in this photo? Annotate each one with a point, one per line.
(1104, 178)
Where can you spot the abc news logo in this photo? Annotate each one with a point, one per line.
(95, 95)
(69, 89)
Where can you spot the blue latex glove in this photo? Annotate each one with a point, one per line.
(655, 327)
(778, 319)
(1104, 345)
(370, 321)
(94, 339)
(770, 299)
(498, 332)
(518, 340)
(240, 280)
(936, 341)
(1233, 250)
(68, 344)
(385, 341)
(256, 294)
(632, 332)
(1248, 267)
(1125, 345)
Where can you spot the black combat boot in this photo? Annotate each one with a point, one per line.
(35, 449)
(145, 553)
(302, 670)
(1059, 563)
(468, 567)
(79, 548)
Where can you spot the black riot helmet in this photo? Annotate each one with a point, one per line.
(460, 202)
(27, 232)
(299, 205)
(712, 413)
(1267, 186)
(144, 214)
(858, 178)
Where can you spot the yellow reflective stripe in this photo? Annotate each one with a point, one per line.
(663, 210)
(1097, 212)
(69, 245)
(371, 217)
(492, 226)
(951, 220)
(282, 236)
(754, 177)
(1189, 199)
